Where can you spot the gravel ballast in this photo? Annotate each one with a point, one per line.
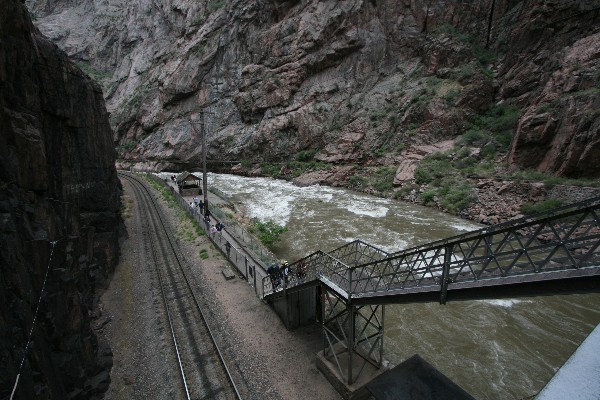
(266, 360)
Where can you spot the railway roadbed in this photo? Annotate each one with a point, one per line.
(265, 360)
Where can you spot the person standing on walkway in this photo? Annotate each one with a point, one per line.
(201, 206)
(285, 270)
(220, 227)
(227, 248)
(274, 275)
(301, 271)
(213, 231)
(207, 223)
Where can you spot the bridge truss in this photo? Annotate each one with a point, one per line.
(549, 253)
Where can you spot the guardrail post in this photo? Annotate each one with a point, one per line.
(351, 334)
(349, 273)
(254, 279)
(445, 274)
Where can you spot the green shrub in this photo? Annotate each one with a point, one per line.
(357, 181)
(271, 170)
(434, 166)
(269, 233)
(456, 196)
(214, 5)
(473, 137)
(383, 179)
(452, 194)
(204, 254)
(488, 151)
(380, 152)
(427, 197)
(542, 206)
(496, 127)
(306, 155)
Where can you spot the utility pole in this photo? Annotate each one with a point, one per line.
(204, 178)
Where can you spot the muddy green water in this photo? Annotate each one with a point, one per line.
(504, 349)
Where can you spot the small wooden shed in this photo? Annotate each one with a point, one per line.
(189, 184)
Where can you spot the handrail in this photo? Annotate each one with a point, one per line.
(551, 242)
(562, 239)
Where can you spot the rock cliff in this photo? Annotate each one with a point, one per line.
(352, 79)
(59, 211)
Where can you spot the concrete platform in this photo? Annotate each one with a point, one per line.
(353, 391)
(415, 379)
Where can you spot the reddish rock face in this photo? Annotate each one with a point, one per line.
(560, 130)
(59, 212)
(352, 78)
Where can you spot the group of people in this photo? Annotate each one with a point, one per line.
(217, 228)
(278, 273)
(197, 204)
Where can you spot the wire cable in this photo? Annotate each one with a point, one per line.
(34, 320)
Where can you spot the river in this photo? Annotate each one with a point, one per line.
(503, 349)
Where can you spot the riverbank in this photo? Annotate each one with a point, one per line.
(494, 200)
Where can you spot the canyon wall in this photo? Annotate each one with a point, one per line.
(349, 81)
(59, 215)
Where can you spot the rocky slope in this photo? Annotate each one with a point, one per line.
(350, 81)
(59, 214)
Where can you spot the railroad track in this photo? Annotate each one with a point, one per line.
(202, 367)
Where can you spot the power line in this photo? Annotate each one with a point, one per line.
(34, 320)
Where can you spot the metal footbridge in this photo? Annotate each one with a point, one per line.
(550, 253)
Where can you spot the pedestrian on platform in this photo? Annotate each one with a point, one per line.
(213, 231)
(227, 248)
(196, 201)
(274, 275)
(301, 271)
(201, 206)
(220, 227)
(285, 271)
(207, 223)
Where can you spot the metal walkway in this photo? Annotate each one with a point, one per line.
(549, 253)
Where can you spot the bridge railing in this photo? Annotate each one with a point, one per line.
(566, 238)
(316, 266)
(358, 252)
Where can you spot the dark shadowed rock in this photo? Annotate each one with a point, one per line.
(59, 208)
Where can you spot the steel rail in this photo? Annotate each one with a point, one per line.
(173, 335)
(166, 305)
(142, 184)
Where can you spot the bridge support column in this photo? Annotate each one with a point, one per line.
(353, 342)
(446, 274)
